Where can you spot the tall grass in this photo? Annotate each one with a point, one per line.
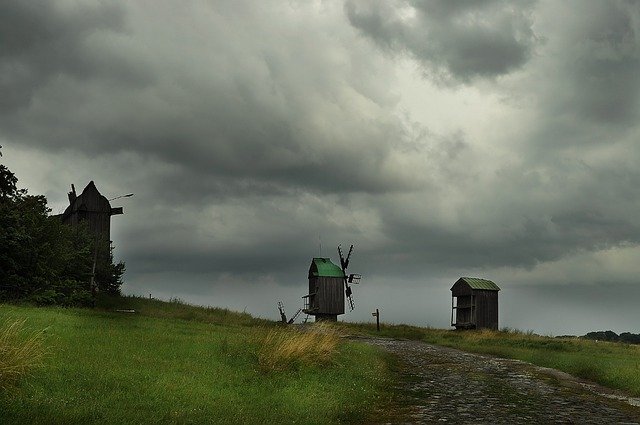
(290, 348)
(19, 352)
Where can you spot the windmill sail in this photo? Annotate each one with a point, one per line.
(344, 263)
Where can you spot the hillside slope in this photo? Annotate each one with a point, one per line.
(173, 363)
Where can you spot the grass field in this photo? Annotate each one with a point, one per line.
(172, 363)
(613, 365)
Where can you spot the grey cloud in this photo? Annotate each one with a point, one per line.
(455, 41)
(600, 67)
(43, 40)
(244, 141)
(252, 113)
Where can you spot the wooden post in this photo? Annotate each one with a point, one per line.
(92, 284)
(452, 310)
(377, 316)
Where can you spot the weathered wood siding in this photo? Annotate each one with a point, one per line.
(486, 309)
(460, 288)
(93, 209)
(329, 295)
(483, 313)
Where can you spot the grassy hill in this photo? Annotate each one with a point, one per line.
(174, 363)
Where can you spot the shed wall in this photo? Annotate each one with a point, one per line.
(486, 309)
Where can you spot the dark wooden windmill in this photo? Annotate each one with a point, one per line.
(328, 287)
(474, 304)
(92, 209)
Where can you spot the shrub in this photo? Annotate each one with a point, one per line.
(19, 352)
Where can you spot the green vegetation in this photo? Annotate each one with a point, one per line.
(42, 260)
(19, 352)
(613, 365)
(174, 363)
(177, 309)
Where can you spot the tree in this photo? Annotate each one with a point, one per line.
(43, 260)
(8, 182)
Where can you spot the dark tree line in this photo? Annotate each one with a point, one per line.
(626, 337)
(42, 260)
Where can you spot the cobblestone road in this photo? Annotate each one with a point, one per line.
(443, 385)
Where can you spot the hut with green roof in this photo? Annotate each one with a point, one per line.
(325, 299)
(474, 304)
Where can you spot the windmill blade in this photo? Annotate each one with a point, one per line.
(342, 265)
(353, 278)
(350, 298)
(346, 261)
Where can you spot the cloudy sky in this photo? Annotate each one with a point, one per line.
(443, 139)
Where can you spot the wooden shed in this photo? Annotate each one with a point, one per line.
(474, 304)
(325, 299)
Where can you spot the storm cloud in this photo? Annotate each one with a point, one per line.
(455, 41)
(442, 138)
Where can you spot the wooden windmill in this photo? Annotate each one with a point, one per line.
(328, 287)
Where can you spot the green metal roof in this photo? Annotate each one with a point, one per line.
(484, 284)
(325, 268)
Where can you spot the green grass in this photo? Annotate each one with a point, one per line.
(177, 309)
(613, 365)
(173, 363)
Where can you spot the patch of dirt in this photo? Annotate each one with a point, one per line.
(444, 385)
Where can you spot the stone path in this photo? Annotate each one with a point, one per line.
(443, 385)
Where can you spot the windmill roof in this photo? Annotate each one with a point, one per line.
(484, 284)
(90, 199)
(323, 267)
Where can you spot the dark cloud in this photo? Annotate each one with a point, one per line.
(88, 79)
(599, 65)
(455, 41)
(248, 143)
(43, 41)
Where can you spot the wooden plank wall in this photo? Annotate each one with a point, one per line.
(487, 309)
(330, 295)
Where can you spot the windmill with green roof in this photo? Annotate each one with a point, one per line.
(328, 286)
(474, 304)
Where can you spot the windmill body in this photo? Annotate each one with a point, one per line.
(325, 300)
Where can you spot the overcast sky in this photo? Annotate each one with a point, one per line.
(444, 139)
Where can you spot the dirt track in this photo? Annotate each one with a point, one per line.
(443, 385)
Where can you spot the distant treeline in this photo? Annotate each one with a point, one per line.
(43, 260)
(624, 337)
